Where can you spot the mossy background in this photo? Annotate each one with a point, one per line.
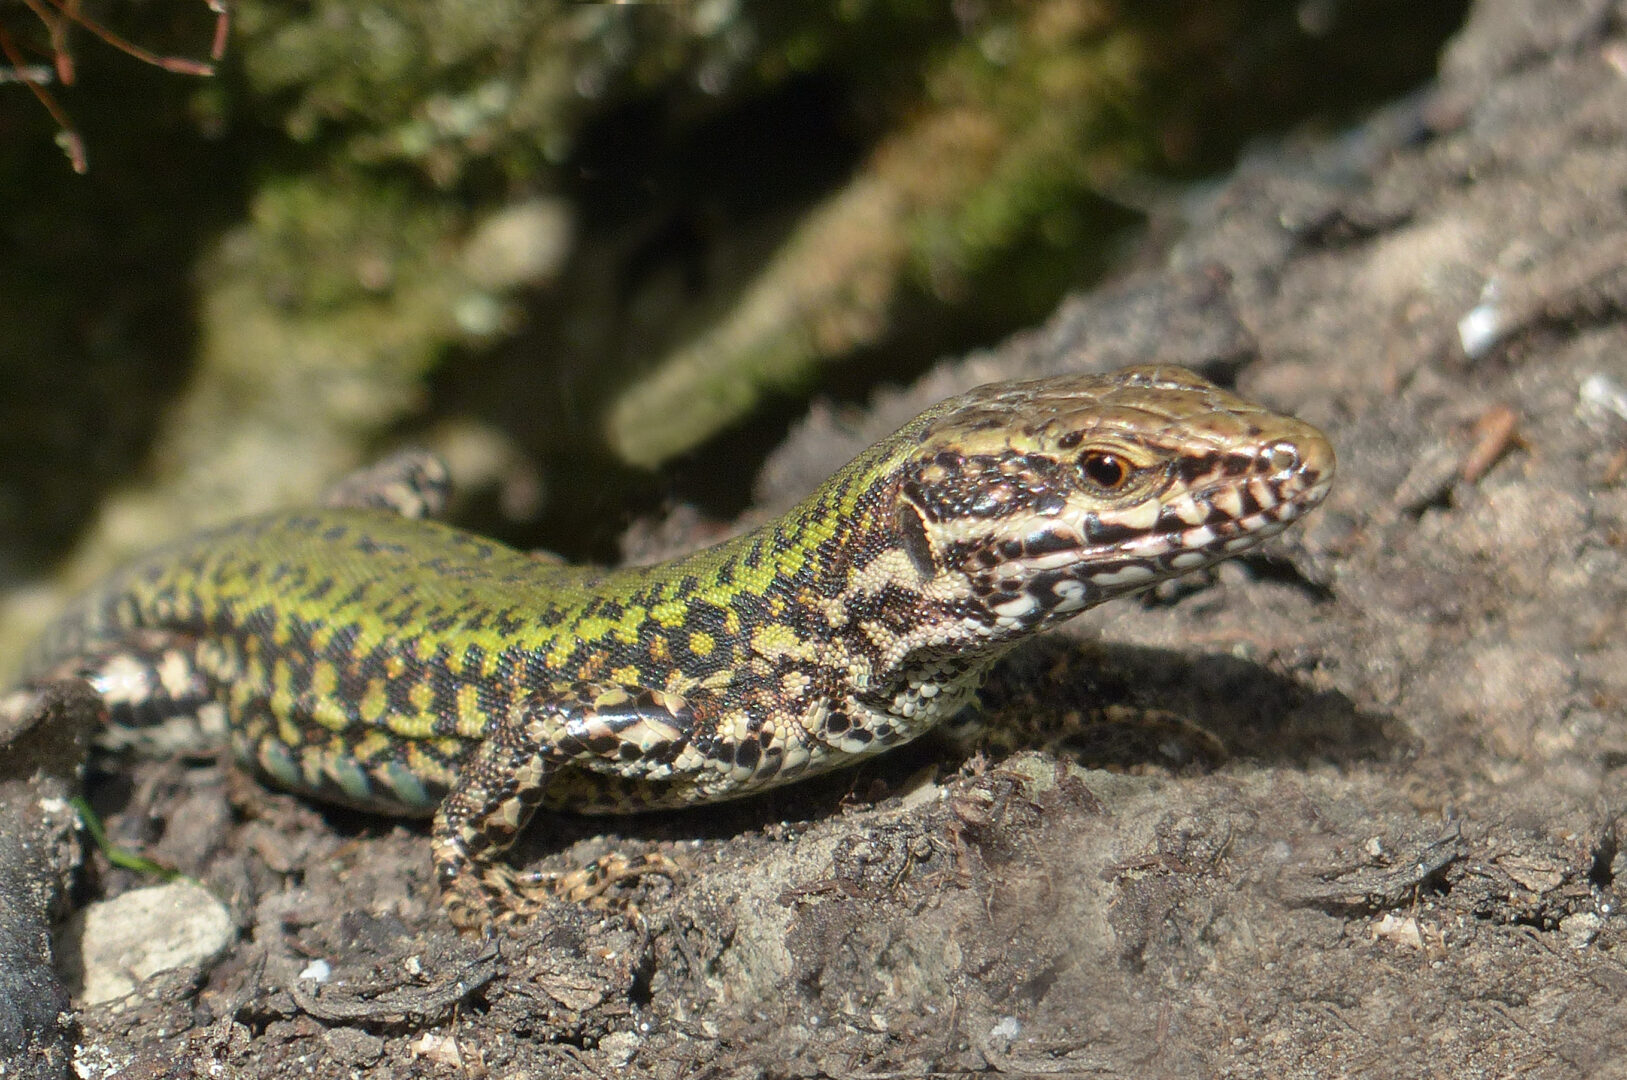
(599, 255)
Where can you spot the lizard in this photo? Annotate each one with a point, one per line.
(365, 653)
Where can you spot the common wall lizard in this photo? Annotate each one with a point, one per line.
(360, 654)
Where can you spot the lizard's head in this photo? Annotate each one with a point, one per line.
(1053, 495)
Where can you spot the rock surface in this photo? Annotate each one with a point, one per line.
(41, 747)
(116, 944)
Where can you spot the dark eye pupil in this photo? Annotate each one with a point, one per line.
(1104, 469)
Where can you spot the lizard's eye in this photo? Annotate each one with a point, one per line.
(1104, 469)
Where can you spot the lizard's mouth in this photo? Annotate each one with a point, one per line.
(1183, 533)
(1200, 527)
(1061, 564)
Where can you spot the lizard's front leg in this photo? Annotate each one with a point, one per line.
(626, 730)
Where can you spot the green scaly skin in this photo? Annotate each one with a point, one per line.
(361, 655)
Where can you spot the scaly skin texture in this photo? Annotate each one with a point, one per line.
(358, 654)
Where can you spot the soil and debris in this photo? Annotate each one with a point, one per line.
(1409, 863)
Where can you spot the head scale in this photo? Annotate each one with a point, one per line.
(1044, 498)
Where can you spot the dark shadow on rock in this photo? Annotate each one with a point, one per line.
(1254, 713)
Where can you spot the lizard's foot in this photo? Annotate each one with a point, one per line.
(476, 902)
(594, 883)
(497, 894)
(413, 483)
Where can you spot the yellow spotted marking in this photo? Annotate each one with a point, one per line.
(330, 712)
(320, 637)
(288, 733)
(281, 698)
(701, 643)
(373, 745)
(718, 680)
(777, 640)
(419, 725)
(560, 651)
(324, 680)
(374, 703)
(325, 705)
(670, 613)
(471, 721)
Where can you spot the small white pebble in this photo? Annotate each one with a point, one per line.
(1399, 930)
(441, 1049)
(1602, 394)
(319, 971)
(1482, 327)
(1008, 1028)
(1615, 54)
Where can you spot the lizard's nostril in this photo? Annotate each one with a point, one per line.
(1282, 457)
